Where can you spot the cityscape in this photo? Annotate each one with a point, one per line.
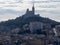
(30, 29)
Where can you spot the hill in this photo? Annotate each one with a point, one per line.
(28, 17)
(20, 21)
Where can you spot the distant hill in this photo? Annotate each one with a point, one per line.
(28, 17)
(20, 21)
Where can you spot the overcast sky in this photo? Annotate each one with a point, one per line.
(10, 9)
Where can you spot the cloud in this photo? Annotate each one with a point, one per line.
(51, 12)
(5, 17)
(54, 12)
(10, 1)
(10, 11)
(48, 6)
(44, 1)
(54, 0)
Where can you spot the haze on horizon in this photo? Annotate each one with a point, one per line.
(10, 9)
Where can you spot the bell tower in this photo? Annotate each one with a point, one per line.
(33, 8)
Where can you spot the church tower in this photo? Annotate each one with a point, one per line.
(30, 13)
(33, 10)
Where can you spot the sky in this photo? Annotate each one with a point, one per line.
(10, 9)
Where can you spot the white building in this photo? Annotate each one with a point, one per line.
(35, 26)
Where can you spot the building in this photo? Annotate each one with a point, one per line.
(30, 13)
(34, 26)
(57, 27)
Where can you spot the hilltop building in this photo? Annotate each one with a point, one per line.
(30, 13)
